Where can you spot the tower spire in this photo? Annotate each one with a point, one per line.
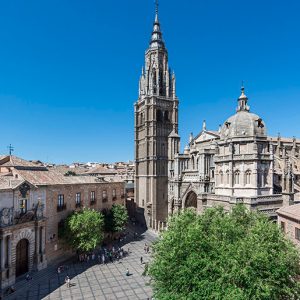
(156, 37)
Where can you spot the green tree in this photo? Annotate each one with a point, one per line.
(218, 255)
(70, 173)
(83, 230)
(116, 218)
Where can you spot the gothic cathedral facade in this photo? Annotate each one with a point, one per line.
(156, 117)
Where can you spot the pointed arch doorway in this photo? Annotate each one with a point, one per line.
(191, 200)
(22, 250)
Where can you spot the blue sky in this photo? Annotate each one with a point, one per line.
(69, 70)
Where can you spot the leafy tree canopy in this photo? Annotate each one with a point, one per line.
(116, 218)
(84, 229)
(70, 173)
(239, 255)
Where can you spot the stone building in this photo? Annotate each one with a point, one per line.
(156, 117)
(289, 221)
(239, 163)
(34, 200)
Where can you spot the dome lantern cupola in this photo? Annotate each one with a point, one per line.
(242, 101)
(243, 123)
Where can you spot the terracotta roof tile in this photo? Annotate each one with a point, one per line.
(292, 211)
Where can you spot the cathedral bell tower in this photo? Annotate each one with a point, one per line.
(156, 116)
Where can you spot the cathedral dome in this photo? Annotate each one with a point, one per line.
(243, 123)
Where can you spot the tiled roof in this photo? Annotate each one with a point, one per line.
(292, 211)
(53, 177)
(14, 161)
(40, 175)
(101, 170)
(64, 169)
(9, 182)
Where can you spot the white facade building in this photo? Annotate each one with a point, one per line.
(239, 163)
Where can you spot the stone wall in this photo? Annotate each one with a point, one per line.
(289, 226)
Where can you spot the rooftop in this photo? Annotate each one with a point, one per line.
(292, 211)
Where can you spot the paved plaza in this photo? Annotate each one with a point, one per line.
(92, 280)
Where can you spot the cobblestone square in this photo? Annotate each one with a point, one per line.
(93, 280)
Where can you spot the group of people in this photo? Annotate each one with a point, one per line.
(104, 255)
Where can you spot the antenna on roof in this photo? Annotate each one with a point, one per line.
(10, 149)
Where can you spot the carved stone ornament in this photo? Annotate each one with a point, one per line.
(6, 216)
(39, 210)
(27, 217)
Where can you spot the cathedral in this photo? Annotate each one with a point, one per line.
(156, 117)
(238, 163)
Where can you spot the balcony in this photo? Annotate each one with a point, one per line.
(104, 199)
(114, 198)
(93, 201)
(61, 207)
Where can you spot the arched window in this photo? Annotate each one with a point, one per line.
(259, 178)
(154, 80)
(221, 177)
(142, 118)
(163, 150)
(166, 116)
(248, 177)
(193, 162)
(265, 177)
(161, 84)
(237, 177)
(159, 115)
(227, 177)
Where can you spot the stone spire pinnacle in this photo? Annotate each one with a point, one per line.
(156, 37)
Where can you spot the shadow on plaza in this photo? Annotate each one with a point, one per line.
(46, 281)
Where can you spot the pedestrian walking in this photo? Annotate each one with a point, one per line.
(127, 272)
(67, 281)
(148, 249)
(141, 259)
(145, 248)
(28, 277)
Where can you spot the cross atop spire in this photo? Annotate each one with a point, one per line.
(156, 7)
